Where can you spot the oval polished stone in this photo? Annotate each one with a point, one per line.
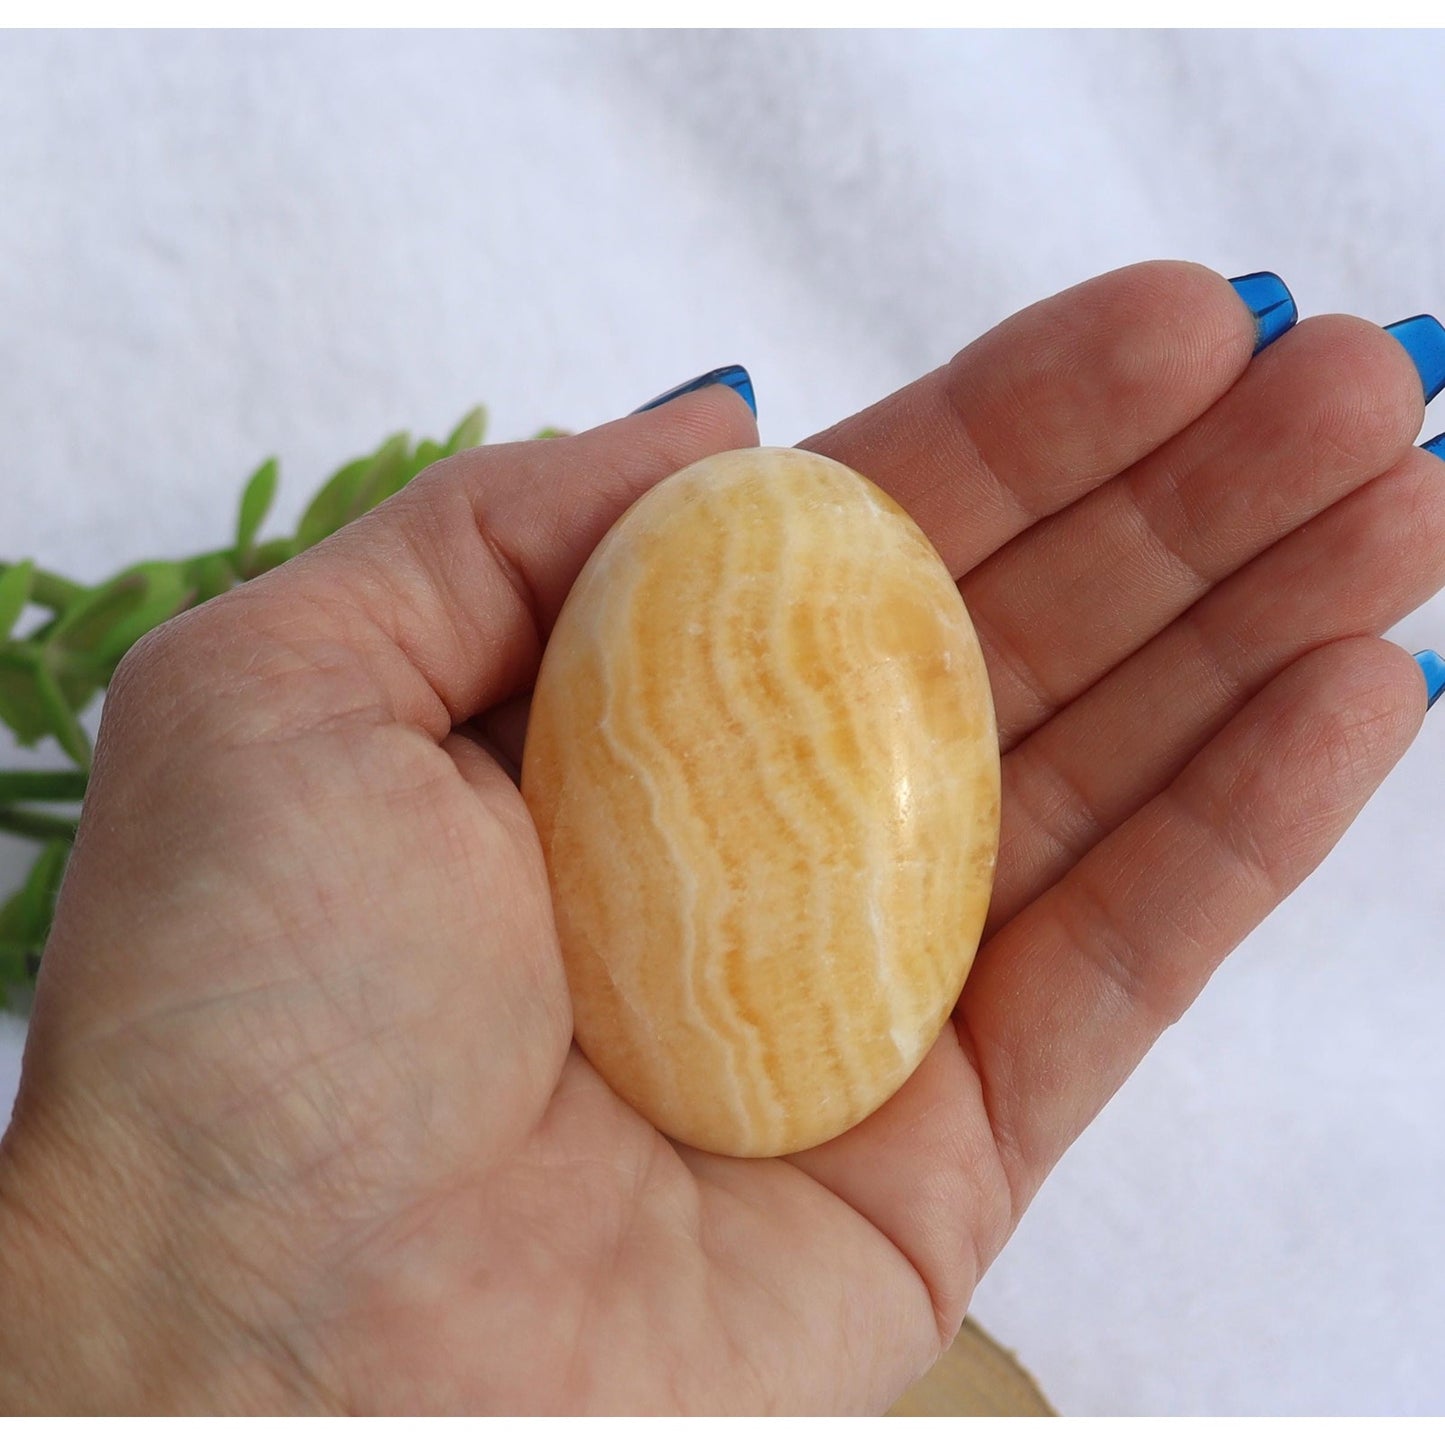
(763, 764)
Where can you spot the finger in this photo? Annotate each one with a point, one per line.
(481, 763)
(504, 728)
(447, 591)
(1067, 998)
(1357, 569)
(1050, 403)
(1328, 407)
(924, 1170)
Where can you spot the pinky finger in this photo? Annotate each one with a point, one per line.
(1069, 996)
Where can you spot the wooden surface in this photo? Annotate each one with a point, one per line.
(976, 1376)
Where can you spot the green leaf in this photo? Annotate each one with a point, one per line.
(468, 432)
(14, 973)
(98, 612)
(43, 787)
(16, 963)
(12, 917)
(166, 589)
(255, 504)
(210, 575)
(21, 706)
(391, 469)
(330, 508)
(169, 591)
(355, 489)
(271, 554)
(61, 722)
(14, 594)
(27, 915)
(79, 682)
(426, 453)
(79, 651)
(49, 589)
(41, 826)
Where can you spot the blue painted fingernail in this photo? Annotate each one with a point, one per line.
(1435, 446)
(733, 376)
(1424, 338)
(1273, 307)
(1433, 666)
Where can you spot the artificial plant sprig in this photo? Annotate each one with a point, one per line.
(50, 672)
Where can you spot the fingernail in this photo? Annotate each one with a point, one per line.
(1273, 307)
(1435, 446)
(1433, 666)
(1424, 338)
(733, 376)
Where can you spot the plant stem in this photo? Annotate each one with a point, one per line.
(19, 959)
(24, 823)
(268, 555)
(67, 786)
(50, 589)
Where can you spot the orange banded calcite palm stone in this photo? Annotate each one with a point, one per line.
(763, 764)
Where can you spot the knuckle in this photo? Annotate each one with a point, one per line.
(149, 670)
(187, 672)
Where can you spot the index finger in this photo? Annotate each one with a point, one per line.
(439, 601)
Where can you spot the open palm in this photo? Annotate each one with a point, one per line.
(301, 1122)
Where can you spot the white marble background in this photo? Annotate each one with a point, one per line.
(213, 247)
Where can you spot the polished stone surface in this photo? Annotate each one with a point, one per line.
(763, 764)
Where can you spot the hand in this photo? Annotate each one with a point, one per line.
(300, 1125)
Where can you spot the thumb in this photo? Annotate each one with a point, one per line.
(453, 585)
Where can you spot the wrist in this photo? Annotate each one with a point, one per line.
(96, 1314)
(58, 1349)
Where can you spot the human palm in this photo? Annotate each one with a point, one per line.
(301, 1121)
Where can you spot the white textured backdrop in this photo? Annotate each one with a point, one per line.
(213, 247)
